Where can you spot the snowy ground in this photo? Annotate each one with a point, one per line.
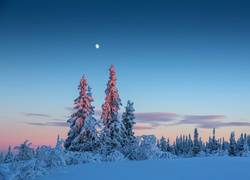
(235, 168)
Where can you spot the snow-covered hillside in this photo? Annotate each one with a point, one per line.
(211, 168)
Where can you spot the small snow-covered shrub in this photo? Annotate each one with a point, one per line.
(147, 140)
(30, 169)
(220, 152)
(72, 157)
(53, 158)
(201, 154)
(97, 158)
(80, 157)
(25, 152)
(190, 154)
(115, 155)
(148, 147)
(142, 148)
(167, 155)
(244, 154)
(153, 152)
(133, 150)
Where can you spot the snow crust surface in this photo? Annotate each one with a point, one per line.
(204, 168)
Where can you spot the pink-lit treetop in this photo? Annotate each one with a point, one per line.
(83, 104)
(112, 100)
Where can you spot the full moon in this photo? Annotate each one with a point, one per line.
(97, 46)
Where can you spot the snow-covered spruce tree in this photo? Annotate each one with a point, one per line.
(196, 148)
(9, 157)
(201, 145)
(248, 140)
(168, 146)
(214, 144)
(1, 158)
(185, 144)
(158, 143)
(128, 120)
(163, 144)
(89, 133)
(113, 128)
(77, 134)
(177, 146)
(223, 147)
(25, 152)
(240, 143)
(232, 145)
(190, 142)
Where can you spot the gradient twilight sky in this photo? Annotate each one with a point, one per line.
(184, 64)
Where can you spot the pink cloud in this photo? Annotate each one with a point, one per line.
(196, 119)
(64, 124)
(221, 124)
(34, 114)
(154, 119)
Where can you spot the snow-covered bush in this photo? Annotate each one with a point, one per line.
(97, 158)
(153, 152)
(133, 151)
(25, 152)
(245, 152)
(167, 155)
(142, 148)
(53, 158)
(220, 152)
(147, 140)
(115, 155)
(30, 169)
(190, 153)
(201, 154)
(149, 149)
(80, 157)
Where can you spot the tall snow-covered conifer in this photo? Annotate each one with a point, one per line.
(232, 145)
(163, 144)
(196, 148)
(112, 100)
(214, 146)
(113, 128)
(128, 120)
(89, 134)
(77, 120)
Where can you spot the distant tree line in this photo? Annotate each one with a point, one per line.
(187, 146)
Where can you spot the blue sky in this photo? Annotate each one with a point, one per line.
(183, 57)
